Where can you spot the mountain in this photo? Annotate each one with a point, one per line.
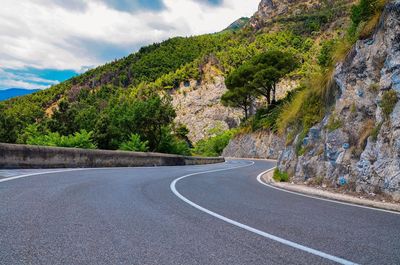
(238, 24)
(15, 92)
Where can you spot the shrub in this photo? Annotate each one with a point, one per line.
(374, 88)
(135, 144)
(325, 56)
(389, 100)
(81, 139)
(365, 16)
(214, 146)
(172, 144)
(280, 176)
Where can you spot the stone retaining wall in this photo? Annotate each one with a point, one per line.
(25, 156)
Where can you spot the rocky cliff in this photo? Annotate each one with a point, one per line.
(357, 145)
(198, 105)
(262, 144)
(271, 9)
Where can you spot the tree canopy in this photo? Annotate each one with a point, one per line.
(257, 77)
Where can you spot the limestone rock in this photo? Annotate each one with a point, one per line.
(349, 155)
(261, 144)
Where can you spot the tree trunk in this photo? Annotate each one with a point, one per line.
(274, 93)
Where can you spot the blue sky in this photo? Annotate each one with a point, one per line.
(43, 42)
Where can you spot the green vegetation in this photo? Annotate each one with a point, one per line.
(334, 123)
(82, 139)
(375, 131)
(258, 77)
(325, 57)
(135, 144)
(280, 176)
(213, 146)
(389, 100)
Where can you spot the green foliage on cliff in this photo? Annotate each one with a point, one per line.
(388, 103)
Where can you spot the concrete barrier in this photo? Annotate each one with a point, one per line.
(27, 156)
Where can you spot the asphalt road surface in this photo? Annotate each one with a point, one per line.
(179, 215)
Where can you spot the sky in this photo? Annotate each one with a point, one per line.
(43, 42)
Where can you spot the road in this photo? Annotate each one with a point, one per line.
(221, 216)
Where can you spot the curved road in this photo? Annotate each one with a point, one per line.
(221, 216)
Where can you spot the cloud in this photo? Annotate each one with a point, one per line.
(75, 34)
(32, 78)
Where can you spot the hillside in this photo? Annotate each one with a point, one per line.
(340, 130)
(107, 103)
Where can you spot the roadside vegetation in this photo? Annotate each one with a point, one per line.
(280, 176)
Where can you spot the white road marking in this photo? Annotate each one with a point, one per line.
(248, 228)
(41, 173)
(82, 169)
(65, 170)
(319, 198)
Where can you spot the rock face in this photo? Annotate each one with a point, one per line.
(349, 153)
(270, 9)
(256, 145)
(198, 106)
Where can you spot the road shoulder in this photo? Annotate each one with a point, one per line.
(266, 179)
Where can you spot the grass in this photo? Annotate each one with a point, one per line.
(334, 123)
(389, 101)
(374, 88)
(366, 131)
(280, 176)
(375, 132)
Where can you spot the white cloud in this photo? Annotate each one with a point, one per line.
(45, 34)
(9, 79)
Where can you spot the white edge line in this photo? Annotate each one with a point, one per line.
(319, 198)
(248, 228)
(42, 173)
(82, 169)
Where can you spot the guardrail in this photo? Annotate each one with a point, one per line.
(27, 156)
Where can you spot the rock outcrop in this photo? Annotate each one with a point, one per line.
(271, 9)
(362, 150)
(198, 105)
(262, 144)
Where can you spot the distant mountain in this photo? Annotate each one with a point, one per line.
(238, 24)
(15, 92)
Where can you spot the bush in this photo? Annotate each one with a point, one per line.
(213, 146)
(280, 176)
(325, 56)
(389, 101)
(82, 139)
(135, 144)
(173, 144)
(365, 16)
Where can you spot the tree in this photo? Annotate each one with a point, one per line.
(239, 97)
(260, 75)
(145, 116)
(269, 68)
